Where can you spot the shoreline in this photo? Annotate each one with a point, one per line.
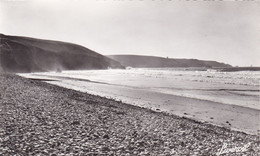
(236, 117)
(186, 115)
(42, 118)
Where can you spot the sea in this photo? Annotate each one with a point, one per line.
(241, 88)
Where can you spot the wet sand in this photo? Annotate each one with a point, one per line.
(231, 116)
(39, 118)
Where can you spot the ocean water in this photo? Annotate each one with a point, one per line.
(232, 88)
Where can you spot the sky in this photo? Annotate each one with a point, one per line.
(223, 31)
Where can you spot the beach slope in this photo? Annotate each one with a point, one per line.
(39, 118)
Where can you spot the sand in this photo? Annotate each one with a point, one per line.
(231, 116)
(39, 118)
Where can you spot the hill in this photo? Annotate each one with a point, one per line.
(24, 54)
(138, 61)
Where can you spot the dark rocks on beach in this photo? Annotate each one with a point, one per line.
(106, 136)
(75, 123)
(41, 119)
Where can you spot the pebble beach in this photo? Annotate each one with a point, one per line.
(37, 118)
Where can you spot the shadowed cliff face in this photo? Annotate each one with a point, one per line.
(159, 62)
(22, 54)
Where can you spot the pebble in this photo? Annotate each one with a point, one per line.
(42, 118)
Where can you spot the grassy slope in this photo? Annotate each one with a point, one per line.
(23, 54)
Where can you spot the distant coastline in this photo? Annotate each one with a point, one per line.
(225, 69)
(142, 61)
(232, 69)
(24, 54)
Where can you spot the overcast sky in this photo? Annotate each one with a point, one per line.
(223, 31)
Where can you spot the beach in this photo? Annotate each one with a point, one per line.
(40, 118)
(225, 99)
